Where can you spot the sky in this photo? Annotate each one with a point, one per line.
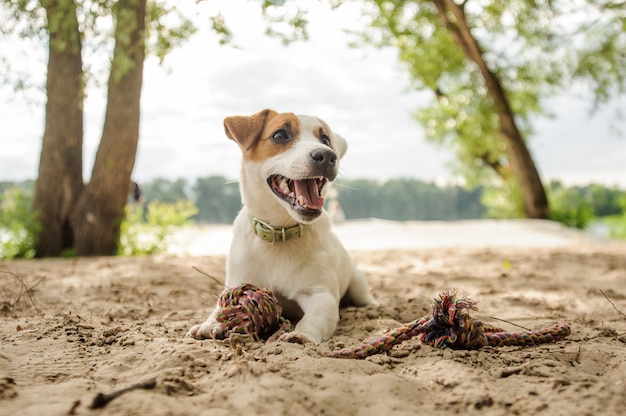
(362, 94)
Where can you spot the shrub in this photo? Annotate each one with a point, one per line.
(617, 223)
(17, 224)
(145, 229)
(502, 202)
(569, 206)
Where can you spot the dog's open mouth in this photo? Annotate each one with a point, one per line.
(304, 195)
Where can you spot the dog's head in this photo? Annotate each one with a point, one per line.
(296, 157)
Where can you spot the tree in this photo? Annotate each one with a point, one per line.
(491, 65)
(452, 16)
(164, 190)
(217, 199)
(407, 199)
(100, 209)
(60, 182)
(72, 215)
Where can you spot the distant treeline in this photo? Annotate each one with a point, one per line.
(408, 199)
(218, 200)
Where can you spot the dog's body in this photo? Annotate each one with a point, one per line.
(282, 238)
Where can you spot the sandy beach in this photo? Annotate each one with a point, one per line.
(73, 330)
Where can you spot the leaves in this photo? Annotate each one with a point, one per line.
(17, 224)
(221, 29)
(169, 27)
(517, 54)
(286, 21)
(145, 229)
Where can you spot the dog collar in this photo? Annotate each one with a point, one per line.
(273, 234)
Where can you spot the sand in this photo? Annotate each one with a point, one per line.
(97, 325)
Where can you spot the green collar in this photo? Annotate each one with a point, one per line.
(273, 234)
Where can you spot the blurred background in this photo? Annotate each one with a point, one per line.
(112, 112)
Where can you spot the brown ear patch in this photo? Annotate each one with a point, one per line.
(254, 133)
(246, 130)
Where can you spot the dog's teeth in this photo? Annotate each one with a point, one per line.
(284, 187)
(301, 201)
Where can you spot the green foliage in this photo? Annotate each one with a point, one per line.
(126, 18)
(217, 198)
(569, 206)
(617, 227)
(51, 20)
(217, 201)
(165, 190)
(617, 223)
(535, 49)
(62, 25)
(574, 206)
(577, 206)
(502, 202)
(407, 199)
(601, 59)
(169, 27)
(17, 224)
(145, 230)
(221, 29)
(286, 21)
(605, 201)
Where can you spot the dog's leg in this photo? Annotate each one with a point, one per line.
(358, 291)
(206, 330)
(321, 314)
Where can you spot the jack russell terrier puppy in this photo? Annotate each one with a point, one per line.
(282, 238)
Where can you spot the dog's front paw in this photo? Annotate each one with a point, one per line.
(207, 330)
(297, 338)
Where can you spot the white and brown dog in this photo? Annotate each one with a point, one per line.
(282, 236)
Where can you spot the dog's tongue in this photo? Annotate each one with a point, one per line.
(308, 189)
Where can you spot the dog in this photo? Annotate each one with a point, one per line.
(282, 237)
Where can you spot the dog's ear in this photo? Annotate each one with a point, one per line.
(340, 144)
(246, 130)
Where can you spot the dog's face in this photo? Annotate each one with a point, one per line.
(296, 156)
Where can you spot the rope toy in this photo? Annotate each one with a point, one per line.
(450, 325)
(251, 310)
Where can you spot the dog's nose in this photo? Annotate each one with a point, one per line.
(324, 156)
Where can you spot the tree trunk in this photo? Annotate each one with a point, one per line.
(60, 178)
(100, 210)
(522, 164)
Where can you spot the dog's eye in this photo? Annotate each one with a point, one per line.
(281, 136)
(325, 140)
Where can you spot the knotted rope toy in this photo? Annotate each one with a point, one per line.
(251, 310)
(450, 325)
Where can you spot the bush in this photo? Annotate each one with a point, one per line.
(502, 202)
(569, 206)
(17, 224)
(617, 226)
(145, 229)
(617, 223)
(577, 216)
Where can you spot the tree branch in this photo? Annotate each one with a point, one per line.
(500, 169)
(454, 20)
